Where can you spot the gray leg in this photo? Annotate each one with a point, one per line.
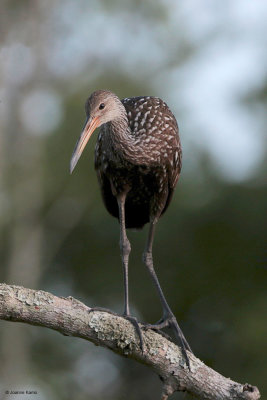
(148, 260)
(125, 251)
(125, 247)
(168, 318)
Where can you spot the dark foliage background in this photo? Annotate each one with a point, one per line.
(208, 61)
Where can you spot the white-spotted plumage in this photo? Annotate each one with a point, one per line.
(142, 155)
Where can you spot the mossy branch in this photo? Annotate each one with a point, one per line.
(72, 318)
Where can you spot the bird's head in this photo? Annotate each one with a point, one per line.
(101, 107)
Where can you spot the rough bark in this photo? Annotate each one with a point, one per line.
(72, 318)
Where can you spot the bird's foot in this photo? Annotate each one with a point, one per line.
(169, 321)
(134, 322)
(107, 310)
(130, 318)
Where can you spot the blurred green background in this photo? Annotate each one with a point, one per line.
(208, 61)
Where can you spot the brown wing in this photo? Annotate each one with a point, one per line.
(151, 117)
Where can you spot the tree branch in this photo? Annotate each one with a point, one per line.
(72, 318)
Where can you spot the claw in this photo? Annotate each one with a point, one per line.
(107, 310)
(131, 319)
(171, 322)
(134, 322)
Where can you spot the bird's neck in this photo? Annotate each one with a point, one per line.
(121, 137)
(119, 128)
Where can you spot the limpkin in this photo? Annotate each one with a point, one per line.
(138, 162)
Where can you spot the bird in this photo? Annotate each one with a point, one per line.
(138, 160)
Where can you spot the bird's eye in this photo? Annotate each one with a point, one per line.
(102, 105)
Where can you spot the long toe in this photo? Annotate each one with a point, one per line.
(134, 322)
(178, 332)
(171, 322)
(158, 325)
(102, 309)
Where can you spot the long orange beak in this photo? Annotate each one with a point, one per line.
(90, 125)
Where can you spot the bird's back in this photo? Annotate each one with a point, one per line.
(148, 168)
